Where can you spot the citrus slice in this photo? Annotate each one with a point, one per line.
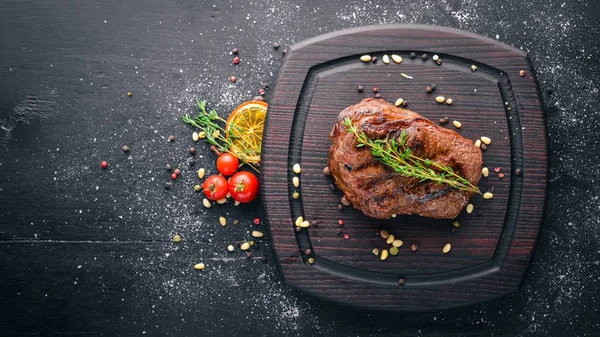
(245, 130)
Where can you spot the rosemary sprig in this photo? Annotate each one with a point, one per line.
(208, 121)
(399, 157)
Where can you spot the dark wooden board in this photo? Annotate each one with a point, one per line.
(492, 247)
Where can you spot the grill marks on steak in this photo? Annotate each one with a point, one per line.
(380, 192)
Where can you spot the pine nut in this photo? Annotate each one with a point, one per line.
(299, 221)
(296, 181)
(486, 140)
(470, 208)
(457, 124)
(365, 58)
(201, 173)
(473, 67)
(397, 243)
(485, 171)
(199, 266)
(245, 246)
(222, 221)
(455, 223)
(176, 238)
(478, 143)
(386, 59)
(297, 169)
(257, 234)
(440, 99)
(197, 188)
(390, 239)
(447, 248)
(295, 195)
(195, 136)
(206, 203)
(304, 224)
(396, 58)
(394, 251)
(375, 251)
(384, 254)
(399, 102)
(488, 195)
(449, 101)
(384, 234)
(230, 248)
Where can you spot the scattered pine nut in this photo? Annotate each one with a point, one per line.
(394, 251)
(222, 201)
(478, 143)
(447, 248)
(455, 223)
(473, 67)
(488, 195)
(386, 59)
(257, 234)
(299, 221)
(199, 266)
(365, 58)
(176, 238)
(230, 248)
(440, 99)
(375, 251)
(397, 243)
(195, 136)
(486, 140)
(201, 173)
(245, 246)
(470, 208)
(311, 260)
(236, 203)
(296, 181)
(297, 169)
(384, 234)
(406, 76)
(449, 101)
(201, 134)
(304, 224)
(396, 58)
(197, 188)
(485, 171)
(295, 195)
(457, 124)
(399, 102)
(206, 203)
(384, 254)
(222, 221)
(390, 239)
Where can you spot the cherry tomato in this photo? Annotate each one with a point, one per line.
(227, 164)
(215, 187)
(243, 186)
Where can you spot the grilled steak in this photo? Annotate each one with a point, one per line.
(376, 189)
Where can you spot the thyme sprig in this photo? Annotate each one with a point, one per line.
(399, 157)
(208, 121)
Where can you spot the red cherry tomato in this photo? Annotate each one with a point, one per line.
(215, 187)
(243, 186)
(227, 164)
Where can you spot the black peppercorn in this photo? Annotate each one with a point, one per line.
(428, 89)
(235, 51)
(413, 55)
(285, 51)
(171, 138)
(439, 62)
(168, 167)
(405, 103)
(483, 147)
(264, 258)
(308, 251)
(339, 231)
(275, 45)
(298, 229)
(377, 95)
(424, 57)
(414, 247)
(374, 59)
(518, 172)
(125, 148)
(340, 207)
(375, 90)
(360, 88)
(401, 281)
(433, 86)
(248, 255)
(192, 162)
(168, 184)
(332, 187)
(443, 120)
(192, 151)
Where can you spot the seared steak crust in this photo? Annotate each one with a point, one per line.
(380, 192)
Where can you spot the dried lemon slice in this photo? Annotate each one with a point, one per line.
(245, 130)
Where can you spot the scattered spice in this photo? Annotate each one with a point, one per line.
(201, 173)
(478, 143)
(497, 169)
(104, 164)
(401, 281)
(390, 239)
(129, 94)
(455, 223)
(176, 238)
(125, 148)
(298, 221)
(413, 247)
(339, 231)
(248, 255)
(236, 60)
(197, 188)
(171, 138)
(331, 187)
(500, 175)
(377, 95)
(340, 222)
(483, 147)
(345, 201)
(308, 251)
(206, 203)
(518, 172)
(276, 46)
(397, 243)
(285, 51)
(443, 120)
(233, 79)
(177, 171)
(261, 91)
(168, 185)
(374, 59)
(295, 195)
(174, 176)
(439, 62)
(522, 73)
(256, 221)
(235, 51)
(449, 101)
(412, 55)
(360, 88)
(428, 89)
(222, 221)
(424, 57)
(346, 236)
(168, 167)
(192, 150)
(375, 90)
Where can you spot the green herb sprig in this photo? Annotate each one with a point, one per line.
(399, 157)
(208, 122)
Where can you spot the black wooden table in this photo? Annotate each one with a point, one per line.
(86, 251)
